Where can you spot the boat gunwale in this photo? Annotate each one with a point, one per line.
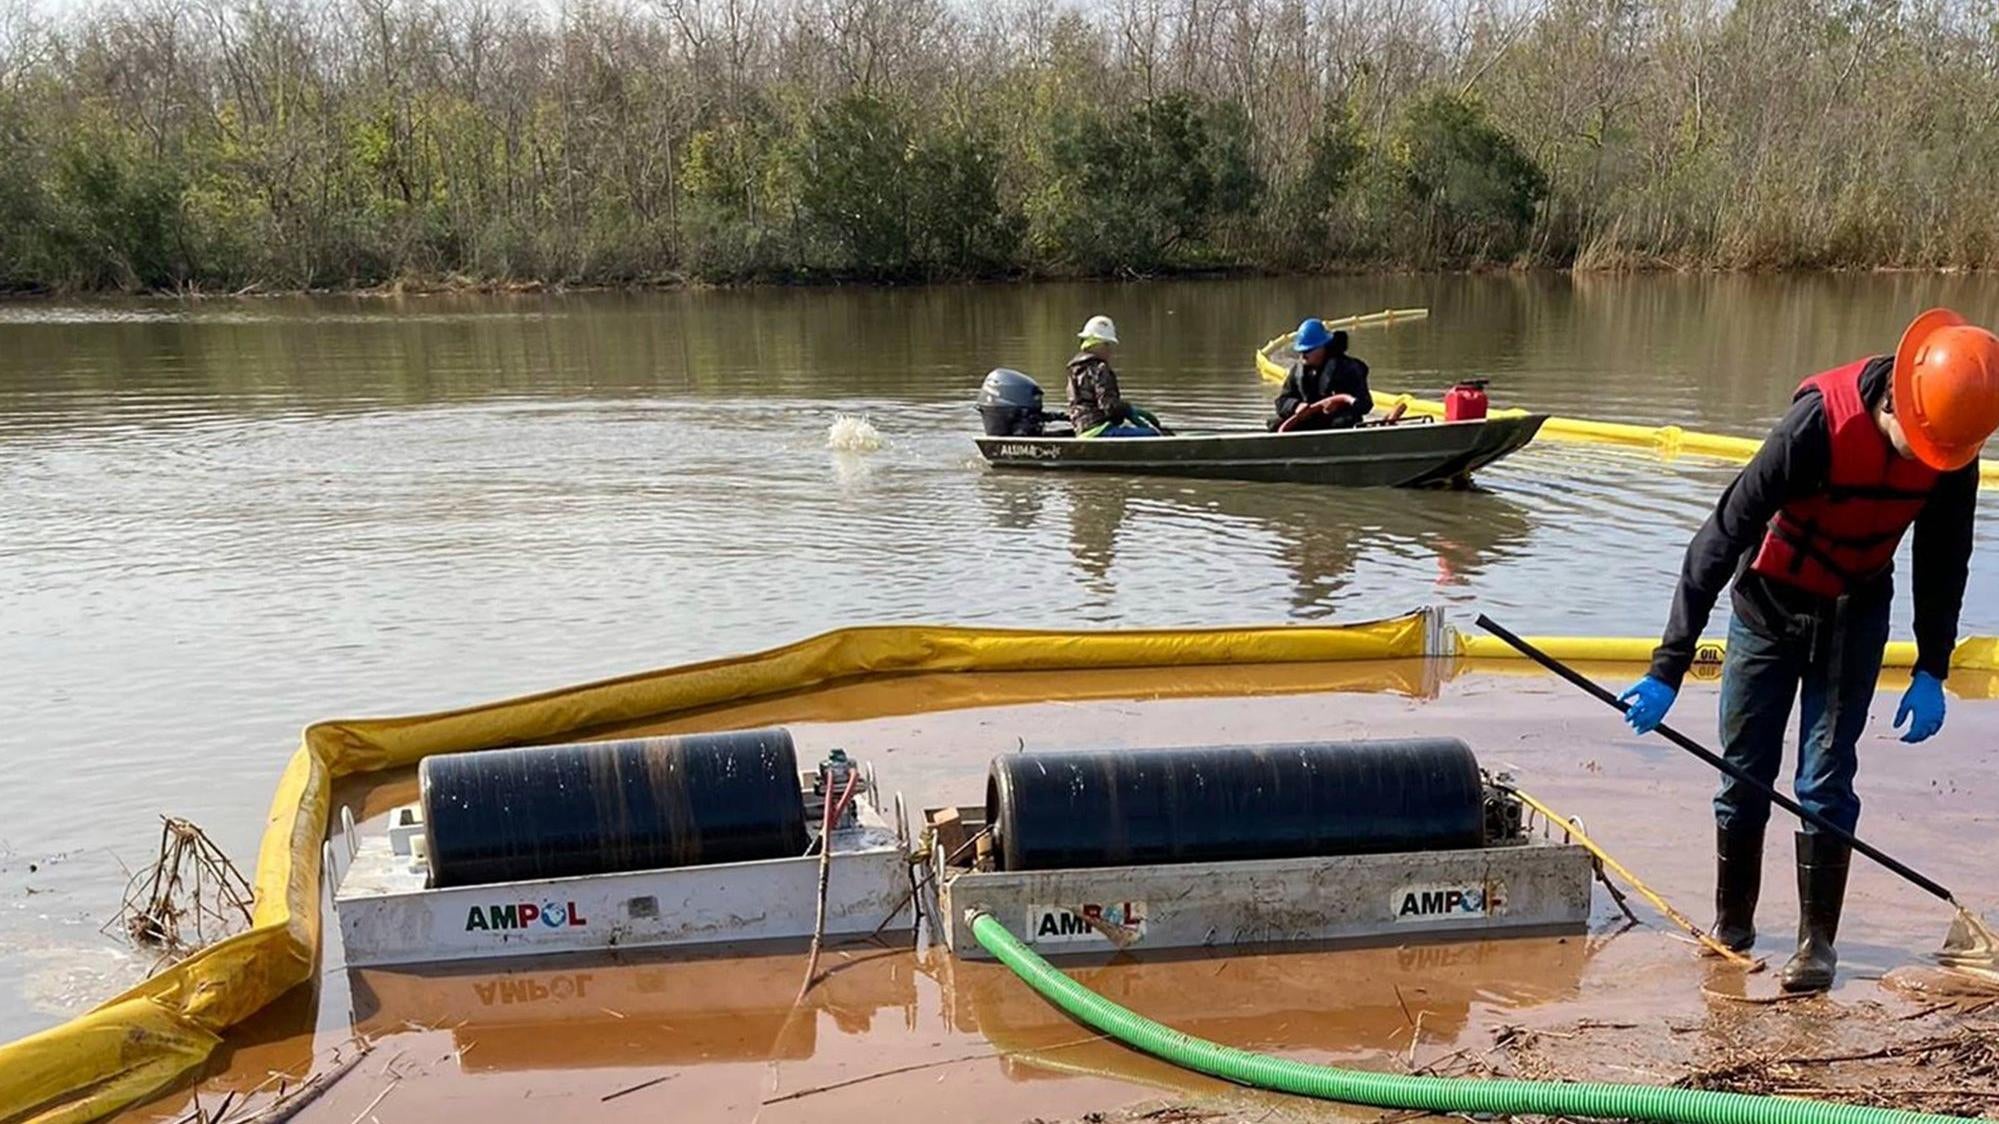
(1211, 436)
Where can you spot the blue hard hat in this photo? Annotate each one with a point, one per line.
(1310, 336)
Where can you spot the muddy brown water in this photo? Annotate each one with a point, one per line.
(715, 1036)
(219, 521)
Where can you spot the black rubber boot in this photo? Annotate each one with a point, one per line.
(1822, 865)
(1738, 882)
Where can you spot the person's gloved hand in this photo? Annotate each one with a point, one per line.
(1649, 700)
(1922, 707)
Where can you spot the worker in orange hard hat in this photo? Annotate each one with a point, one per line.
(1866, 452)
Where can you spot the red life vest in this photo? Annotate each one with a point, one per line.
(1847, 533)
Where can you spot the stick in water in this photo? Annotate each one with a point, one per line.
(834, 808)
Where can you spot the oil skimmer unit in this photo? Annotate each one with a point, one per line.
(714, 838)
(1372, 841)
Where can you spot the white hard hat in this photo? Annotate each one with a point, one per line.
(1099, 327)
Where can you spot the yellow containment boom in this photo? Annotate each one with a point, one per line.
(1973, 653)
(1273, 369)
(1666, 440)
(1386, 318)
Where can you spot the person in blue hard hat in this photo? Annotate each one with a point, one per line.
(1326, 388)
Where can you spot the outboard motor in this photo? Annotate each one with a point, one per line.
(1010, 404)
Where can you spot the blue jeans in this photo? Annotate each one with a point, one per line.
(1831, 670)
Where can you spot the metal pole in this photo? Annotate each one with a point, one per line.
(1726, 766)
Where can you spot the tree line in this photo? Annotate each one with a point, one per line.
(215, 145)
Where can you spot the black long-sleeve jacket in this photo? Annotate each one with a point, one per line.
(1340, 374)
(1794, 463)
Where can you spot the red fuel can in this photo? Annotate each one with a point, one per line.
(1466, 401)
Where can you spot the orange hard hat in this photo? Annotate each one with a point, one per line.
(1947, 388)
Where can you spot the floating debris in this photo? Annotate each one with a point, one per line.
(190, 897)
(1972, 946)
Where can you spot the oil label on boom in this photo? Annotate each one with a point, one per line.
(1448, 902)
(1121, 923)
(1707, 661)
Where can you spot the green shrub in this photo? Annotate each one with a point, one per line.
(1469, 188)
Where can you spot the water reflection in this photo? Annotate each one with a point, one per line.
(596, 1011)
(1322, 538)
(1319, 537)
(1098, 510)
(713, 1008)
(1343, 1003)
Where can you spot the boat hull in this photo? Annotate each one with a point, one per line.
(1393, 456)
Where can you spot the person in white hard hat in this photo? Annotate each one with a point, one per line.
(1096, 408)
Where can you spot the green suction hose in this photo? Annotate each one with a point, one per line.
(1431, 1094)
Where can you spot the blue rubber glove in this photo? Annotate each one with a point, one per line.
(1922, 707)
(1649, 701)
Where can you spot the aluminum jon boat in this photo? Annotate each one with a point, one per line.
(1406, 455)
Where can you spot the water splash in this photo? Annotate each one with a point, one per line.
(853, 434)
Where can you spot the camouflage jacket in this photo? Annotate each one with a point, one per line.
(1093, 393)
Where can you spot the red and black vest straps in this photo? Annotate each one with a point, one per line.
(1847, 532)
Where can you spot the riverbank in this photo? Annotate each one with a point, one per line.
(1940, 1058)
(155, 147)
(460, 285)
